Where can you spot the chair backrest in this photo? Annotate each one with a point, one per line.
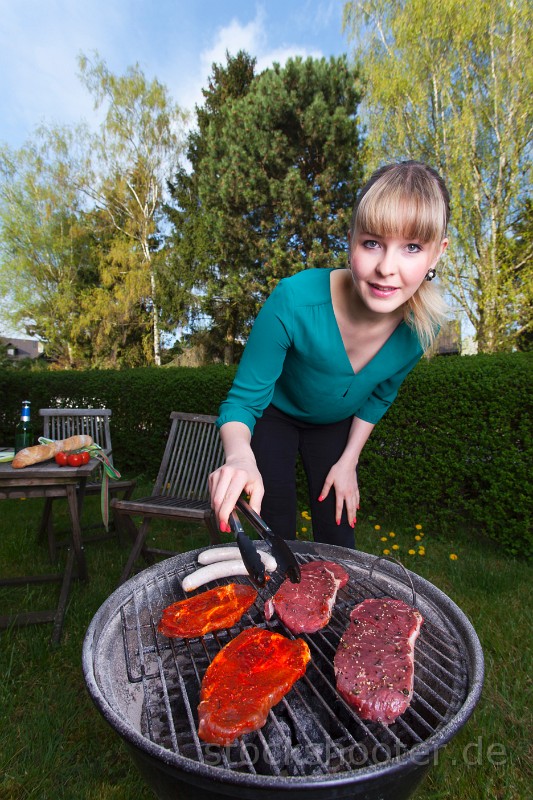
(193, 451)
(60, 423)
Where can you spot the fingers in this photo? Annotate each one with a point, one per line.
(226, 485)
(346, 496)
(225, 488)
(325, 489)
(256, 493)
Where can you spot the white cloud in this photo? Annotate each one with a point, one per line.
(40, 42)
(251, 37)
(234, 37)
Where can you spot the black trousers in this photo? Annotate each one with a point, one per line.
(276, 442)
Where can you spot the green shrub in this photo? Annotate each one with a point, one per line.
(455, 448)
(141, 401)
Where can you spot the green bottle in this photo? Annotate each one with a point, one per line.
(24, 431)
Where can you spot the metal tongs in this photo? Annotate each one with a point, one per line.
(286, 560)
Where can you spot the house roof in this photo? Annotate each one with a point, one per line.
(24, 348)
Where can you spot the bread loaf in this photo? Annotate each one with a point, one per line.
(42, 452)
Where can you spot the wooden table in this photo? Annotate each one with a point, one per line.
(49, 480)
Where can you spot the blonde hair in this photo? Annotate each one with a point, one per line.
(408, 199)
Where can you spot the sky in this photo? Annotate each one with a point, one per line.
(175, 41)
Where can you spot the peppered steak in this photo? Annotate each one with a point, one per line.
(374, 662)
(306, 607)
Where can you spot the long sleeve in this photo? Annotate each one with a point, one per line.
(295, 359)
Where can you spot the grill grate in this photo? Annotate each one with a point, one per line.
(312, 731)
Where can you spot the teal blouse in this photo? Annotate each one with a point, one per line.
(295, 359)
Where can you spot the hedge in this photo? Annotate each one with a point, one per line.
(455, 449)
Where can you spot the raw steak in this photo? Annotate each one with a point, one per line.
(306, 607)
(209, 611)
(245, 680)
(374, 662)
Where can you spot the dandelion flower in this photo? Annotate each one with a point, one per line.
(305, 515)
(418, 538)
(383, 538)
(377, 527)
(411, 552)
(395, 546)
(453, 557)
(392, 533)
(386, 552)
(421, 552)
(418, 527)
(304, 530)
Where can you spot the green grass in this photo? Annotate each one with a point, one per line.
(54, 744)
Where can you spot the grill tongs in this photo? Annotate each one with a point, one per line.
(285, 558)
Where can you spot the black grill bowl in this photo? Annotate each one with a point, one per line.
(313, 746)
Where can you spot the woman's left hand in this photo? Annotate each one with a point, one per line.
(343, 479)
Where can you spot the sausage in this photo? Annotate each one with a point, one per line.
(216, 554)
(42, 452)
(220, 569)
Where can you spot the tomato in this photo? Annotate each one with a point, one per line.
(74, 460)
(85, 457)
(61, 459)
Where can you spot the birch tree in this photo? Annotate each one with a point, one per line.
(46, 252)
(136, 151)
(451, 83)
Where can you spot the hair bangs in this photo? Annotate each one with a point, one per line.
(394, 206)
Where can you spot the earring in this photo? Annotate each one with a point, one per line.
(431, 274)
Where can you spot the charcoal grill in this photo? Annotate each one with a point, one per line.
(313, 744)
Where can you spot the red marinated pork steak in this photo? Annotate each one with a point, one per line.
(213, 610)
(306, 607)
(245, 680)
(374, 662)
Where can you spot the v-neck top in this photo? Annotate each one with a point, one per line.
(295, 358)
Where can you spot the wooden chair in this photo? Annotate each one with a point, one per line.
(181, 491)
(60, 423)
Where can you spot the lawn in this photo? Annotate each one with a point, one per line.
(54, 744)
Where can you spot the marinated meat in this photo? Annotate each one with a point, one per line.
(374, 662)
(209, 611)
(245, 680)
(306, 607)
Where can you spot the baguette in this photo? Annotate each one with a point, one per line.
(42, 452)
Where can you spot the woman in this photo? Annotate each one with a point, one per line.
(327, 355)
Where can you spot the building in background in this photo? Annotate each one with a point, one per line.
(18, 349)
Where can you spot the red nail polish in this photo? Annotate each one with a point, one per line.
(338, 522)
(320, 498)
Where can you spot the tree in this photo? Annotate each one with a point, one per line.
(195, 253)
(82, 226)
(451, 83)
(276, 168)
(137, 150)
(46, 254)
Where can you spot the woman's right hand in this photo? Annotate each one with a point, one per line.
(227, 483)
